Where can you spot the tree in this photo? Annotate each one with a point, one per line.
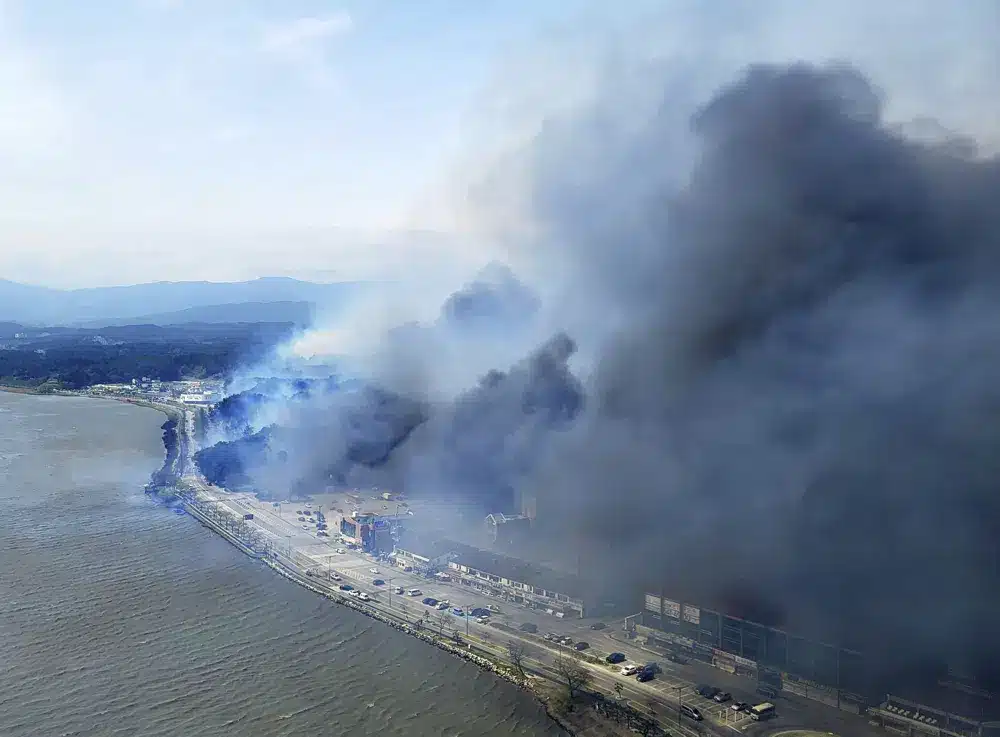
(444, 619)
(573, 675)
(515, 651)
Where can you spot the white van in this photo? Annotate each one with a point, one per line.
(762, 711)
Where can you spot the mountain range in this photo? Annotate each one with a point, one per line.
(268, 299)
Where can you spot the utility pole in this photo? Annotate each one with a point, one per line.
(390, 592)
(466, 621)
(679, 688)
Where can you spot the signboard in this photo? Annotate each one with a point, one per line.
(381, 524)
(744, 662)
(653, 603)
(692, 614)
(672, 609)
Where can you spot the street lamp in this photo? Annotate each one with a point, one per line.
(390, 592)
(679, 688)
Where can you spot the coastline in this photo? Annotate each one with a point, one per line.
(488, 656)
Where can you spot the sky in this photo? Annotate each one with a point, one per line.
(157, 139)
(145, 140)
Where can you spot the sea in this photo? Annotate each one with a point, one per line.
(119, 616)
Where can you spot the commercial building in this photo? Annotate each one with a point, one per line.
(818, 670)
(374, 533)
(422, 555)
(508, 532)
(522, 582)
(505, 577)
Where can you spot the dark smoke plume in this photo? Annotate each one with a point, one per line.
(801, 412)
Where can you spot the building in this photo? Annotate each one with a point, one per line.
(508, 532)
(824, 672)
(374, 533)
(526, 583)
(424, 556)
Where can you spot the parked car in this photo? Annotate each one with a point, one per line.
(483, 620)
(707, 691)
(378, 582)
(630, 670)
(336, 577)
(494, 608)
(401, 590)
(480, 612)
(616, 658)
(414, 592)
(676, 658)
(373, 570)
(346, 587)
(458, 611)
(581, 646)
(740, 706)
(566, 640)
(529, 627)
(722, 697)
(644, 675)
(598, 626)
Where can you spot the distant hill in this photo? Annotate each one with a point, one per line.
(44, 306)
(299, 314)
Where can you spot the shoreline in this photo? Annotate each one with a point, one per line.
(465, 649)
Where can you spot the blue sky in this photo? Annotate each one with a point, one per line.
(222, 139)
(145, 120)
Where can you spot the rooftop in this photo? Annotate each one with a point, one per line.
(520, 570)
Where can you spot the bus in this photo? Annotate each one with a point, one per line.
(762, 711)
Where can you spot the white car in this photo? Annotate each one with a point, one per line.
(341, 551)
(414, 592)
(336, 577)
(630, 670)
(399, 590)
(483, 620)
(373, 570)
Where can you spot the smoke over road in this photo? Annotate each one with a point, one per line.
(800, 404)
(790, 403)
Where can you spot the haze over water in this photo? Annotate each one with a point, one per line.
(119, 617)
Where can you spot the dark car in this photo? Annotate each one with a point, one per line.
(677, 658)
(722, 697)
(691, 713)
(429, 601)
(598, 626)
(644, 675)
(378, 582)
(346, 587)
(616, 658)
(480, 611)
(707, 691)
(740, 706)
(581, 646)
(529, 627)
(654, 667)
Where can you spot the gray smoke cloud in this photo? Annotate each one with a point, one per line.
(798, 404)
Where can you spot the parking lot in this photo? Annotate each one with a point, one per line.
(676, 681)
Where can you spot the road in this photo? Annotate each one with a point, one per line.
(302, 548)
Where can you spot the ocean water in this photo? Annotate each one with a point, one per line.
(119, 617)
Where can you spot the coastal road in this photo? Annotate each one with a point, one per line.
(306, 551)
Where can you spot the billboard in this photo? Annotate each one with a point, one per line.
(653, 603)
(671, 609)
(692, 614)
